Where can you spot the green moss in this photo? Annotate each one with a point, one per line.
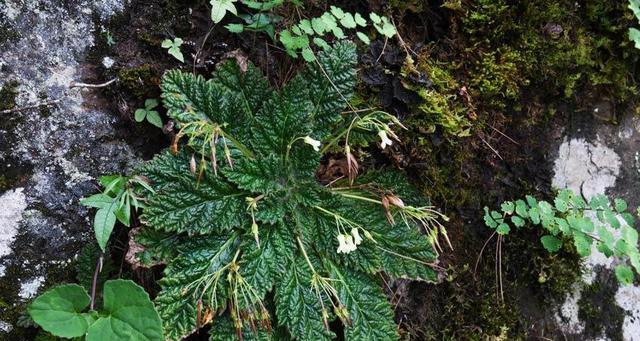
(558, 47)
(4, 183)
(442, 105)
(599, 310)
(497, 77)
(8, 94)
(7, 33)
(141, 81)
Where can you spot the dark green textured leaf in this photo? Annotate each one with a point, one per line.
(223, 330)
(257, 175)
(331, 83)
(190, 98)
(370, 313)
(246, 93)
(261, 265)
(178, 299)
(297, 306)
(181, 204)
(273, 128)
(159, 246)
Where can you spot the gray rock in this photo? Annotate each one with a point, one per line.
(49, 157)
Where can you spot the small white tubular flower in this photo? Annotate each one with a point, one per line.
(385, 139)
(356, 236)
(312, 142)
(342, 244)
(351, 246)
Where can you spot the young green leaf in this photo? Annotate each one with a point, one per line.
(103, 223)
(503, 229)
(507, 207)
(59, 311)
(348, 21)
(551, 243)
(561, 205)
(235, 28)
(360, 20)
(153, 117)
(128, 314)
(140, 114)
(517, 221)
(363, 37)
(174, 48)
(620, 205)
(219, 9)
(624, 274)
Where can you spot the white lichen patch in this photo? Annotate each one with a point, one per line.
(29, 289)
(588, 169)
(585, 167)
(13, 204)
(5, 327)
(568, 314)
(628, 298)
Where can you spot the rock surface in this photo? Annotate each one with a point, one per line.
(601, 158)
(49, 156)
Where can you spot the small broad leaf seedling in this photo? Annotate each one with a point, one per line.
(152, 116)
(570, 218)
(114, 204)
(173, 47)
(219, 9)
(128, 313)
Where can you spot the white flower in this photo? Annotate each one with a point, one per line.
(342, 245)
(351, 246)
(385, 139)
(312, 142)
(356, 236)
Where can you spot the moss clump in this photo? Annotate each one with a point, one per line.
(497, 77)
(4, 183)
(442, 105)
(7, 33)
(559, 47)
(142, 81)
(599, 311)
(8, 94)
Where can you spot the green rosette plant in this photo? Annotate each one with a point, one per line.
(254, 244)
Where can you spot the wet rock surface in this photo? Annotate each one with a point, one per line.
(49, 156)
(597, 157)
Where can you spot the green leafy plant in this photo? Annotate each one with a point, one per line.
(219, 9)
(128, 313)
(634, 33)
(607, 225)
(148, 113)
(114, 204)
(173, 47)
(298, 38)
(249, 237)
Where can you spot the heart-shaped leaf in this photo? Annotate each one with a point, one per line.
(59, 311)
(128, 314)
